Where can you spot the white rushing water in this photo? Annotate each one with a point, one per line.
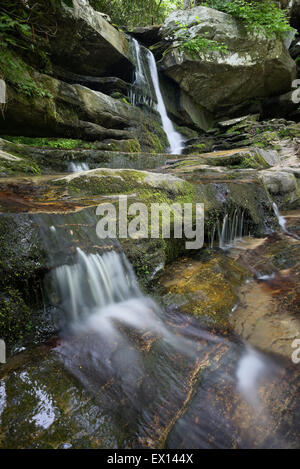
(112, 324)
(78, 167)
(232, 230)
(140, 74)
(174, 137)
(280, 218)
(143, 90)
(100, 292)
(251, 368)
(95, 282)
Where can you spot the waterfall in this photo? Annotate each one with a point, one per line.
(142, 81)
(280, 218)
(174, 138)
(95, 282)
(141, 92)
(233, 229)
(100, 293)
(78, 167)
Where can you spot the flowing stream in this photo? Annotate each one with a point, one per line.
(130, 371)
(126, 372)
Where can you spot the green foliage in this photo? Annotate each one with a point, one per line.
(130, 13)
(198, 44)
(17, 74)
(262, 16)
(202, 44)
(8, 26)
(60, 143)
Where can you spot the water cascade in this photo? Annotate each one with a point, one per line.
(142, 78)
(100, 291)
(280, 218)
(232, 229)
(140, 92)
(78, 167)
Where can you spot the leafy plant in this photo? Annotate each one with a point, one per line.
(9, 25)
(197, 44)
(202, 44)
(262, 16)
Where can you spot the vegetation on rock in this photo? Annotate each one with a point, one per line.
(262, 16)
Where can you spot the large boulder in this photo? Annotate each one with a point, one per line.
(220, 80)
(87, 44)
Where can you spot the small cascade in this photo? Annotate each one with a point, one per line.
(101, 299)
(95, 282)
(282, 223)
(99, 293)
(280, 218)
(146, 89)
(78, 167)
(232, 229)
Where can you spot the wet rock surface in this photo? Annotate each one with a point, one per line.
(64, 403)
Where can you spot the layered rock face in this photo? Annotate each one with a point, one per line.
(78, 112)
(244, 66)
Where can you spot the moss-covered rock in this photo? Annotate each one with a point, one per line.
(230, 68)
(13, 165)
(283, 186)
(55, 155)
(123, 181)
(76, 112)
(15, 317)
(204, 287)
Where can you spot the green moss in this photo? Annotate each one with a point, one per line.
(19, 75)
(254, 161)
(131, 145)
(124, 182)
(21, 166)
(265, 134)
(60, 143)
(20, 251)
(153, 139)
(15, 317)
(134, 146)
(203, 286)
(154, 142)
